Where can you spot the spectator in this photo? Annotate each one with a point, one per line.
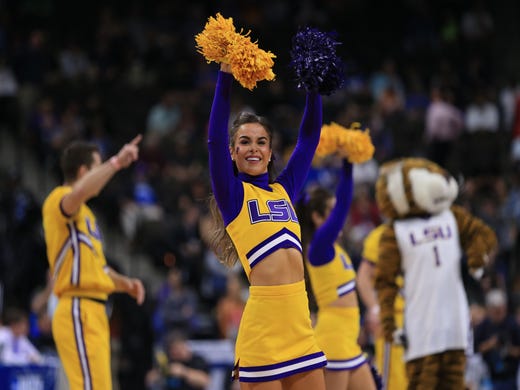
(33, 61)
(15, 347)
(74, 63)
(163, 118)
(230, 307)
(387, 79)
(444, 125)
(476, 373)
(10, 114)
(42, 306)
(497, 338)
(482, 140)
(177, 367)
(142, 206)
(477, 25)
(215, 274)
(363, 217)
(43, 129)
(177, 306)
(515, 142)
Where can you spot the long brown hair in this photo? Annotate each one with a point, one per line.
(313, 201)
(220, 241)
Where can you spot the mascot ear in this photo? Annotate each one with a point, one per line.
(395, 189)
(390, 196)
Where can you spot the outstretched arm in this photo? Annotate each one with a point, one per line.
(226, 187)
(90, 184)
(295, 173)
(321, 248)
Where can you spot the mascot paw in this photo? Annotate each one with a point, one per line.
(477, 273)
(399, 337)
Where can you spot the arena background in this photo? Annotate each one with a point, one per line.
(107, 70)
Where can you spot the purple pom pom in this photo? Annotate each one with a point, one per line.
(315, 62)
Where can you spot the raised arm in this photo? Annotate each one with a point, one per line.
(226, 187)
(295, 173)
(321, 248)
(90, 184)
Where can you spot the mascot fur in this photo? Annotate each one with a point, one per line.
(425, 240)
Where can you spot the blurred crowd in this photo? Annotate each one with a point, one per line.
(423, 76)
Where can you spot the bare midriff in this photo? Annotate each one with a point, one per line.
(285, 266)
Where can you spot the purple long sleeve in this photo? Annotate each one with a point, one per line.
(321, 248)
(226, 187)
(295, 173)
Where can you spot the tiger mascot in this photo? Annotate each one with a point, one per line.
(425, 241)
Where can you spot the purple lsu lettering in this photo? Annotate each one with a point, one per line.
(279, 211)
(429, 234)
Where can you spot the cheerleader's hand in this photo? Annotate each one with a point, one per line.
(225, 67)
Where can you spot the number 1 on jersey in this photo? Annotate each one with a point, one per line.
(437, 257)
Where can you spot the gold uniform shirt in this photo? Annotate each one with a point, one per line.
(74, 250)
(371, 254)
(389, 358)
(333, 279)
(266, 222)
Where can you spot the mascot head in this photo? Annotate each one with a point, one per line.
(410, 187)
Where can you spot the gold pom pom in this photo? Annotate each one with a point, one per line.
(214, 41)
(352, 144)
(219, 42)
(249, 63)
(328, 142)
